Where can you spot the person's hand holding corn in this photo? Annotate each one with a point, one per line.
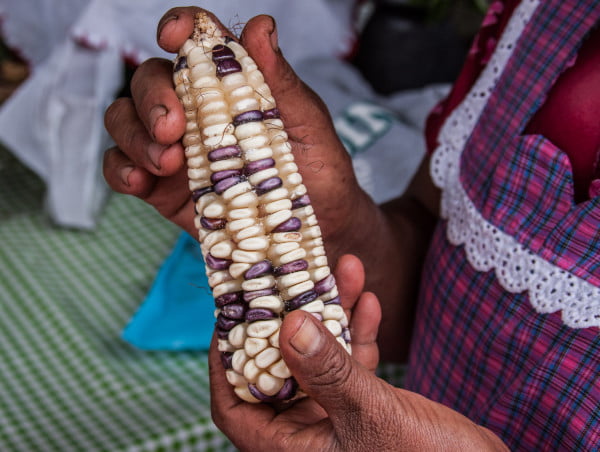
(348, 407)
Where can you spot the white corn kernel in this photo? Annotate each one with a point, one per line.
(315, 306)
(234, 378)
(270, 302)
(333, 312)
(251, 371)
(255, 345)
(225, 346)
(274, 339)
(227, 287)
(260, 243)
(238, 360)
(263, 328)
(267, 357)
(333, 326)
(237, 335)
(268, 384)
(237, 269)
(280, 370)
(244, 393)
(264, 282)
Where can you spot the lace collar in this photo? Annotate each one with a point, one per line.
(549, 287)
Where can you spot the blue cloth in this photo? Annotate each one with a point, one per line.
(178, 311)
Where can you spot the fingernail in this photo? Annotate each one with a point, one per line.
(155, 113)
(124, 174)
(274, 37)
(155, 151)
(165, 21)
(307, 340)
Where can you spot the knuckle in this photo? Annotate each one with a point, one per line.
(113, 113)
(336, 372)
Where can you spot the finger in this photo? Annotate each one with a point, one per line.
(325, 371)
(169, 195)
(350, 279)
(362, 309)
(364, 325)
(318, 152)
(156, 103)
(260, 38)
(124, 176)
(125, 127)
(177, 25)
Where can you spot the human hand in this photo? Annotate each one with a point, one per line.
(148, 161)
(349, 408)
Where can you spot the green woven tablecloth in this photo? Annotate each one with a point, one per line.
(67, 380)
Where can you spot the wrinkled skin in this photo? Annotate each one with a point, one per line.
(349, 408)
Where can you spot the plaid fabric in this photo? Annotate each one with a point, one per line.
(487, 353)
(477, 348)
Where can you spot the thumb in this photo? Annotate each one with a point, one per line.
(260, 38)
(299, 105)
(323, 368)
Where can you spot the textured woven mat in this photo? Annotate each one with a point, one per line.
(68, 382)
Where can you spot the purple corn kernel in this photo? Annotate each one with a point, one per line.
(288, 390)
(181, 63)
(259, 269)
(226, 324)
(227, 298)
(317, 316)
(225, 184)
(258, 165)
(226, 358)
(325, 285)
(235, 311)
(300, 300)
(291, 267)
(334, 300)
(221, 52)
(273, 113)
(213, 223)
(197, 194)
(258, 394)
(226, 67)
(216, 263)
(346, 335)
(301, 201)
(224, 153)
(248, 116)
(252, 294)
(291, 225)
(252, 315)
(221, 333)
(267, 185)
(225, 174)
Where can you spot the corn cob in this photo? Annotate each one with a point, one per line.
(258, 232)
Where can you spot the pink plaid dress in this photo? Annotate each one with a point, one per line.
(507, 324)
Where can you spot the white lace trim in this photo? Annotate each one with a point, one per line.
(488, 248)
